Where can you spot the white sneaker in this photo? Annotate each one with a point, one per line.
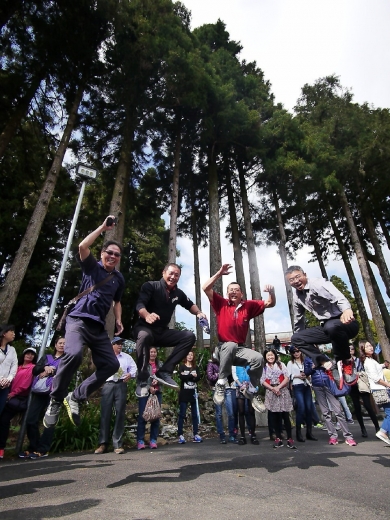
(182, 439)
(219, 394)
(383, 437)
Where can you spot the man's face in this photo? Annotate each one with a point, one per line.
(117, 348)
(110, 257)
(171, 276)
(297, 279)
(234, 293)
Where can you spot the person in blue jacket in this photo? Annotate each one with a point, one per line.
(242, 379)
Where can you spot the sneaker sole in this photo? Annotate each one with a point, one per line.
(163, 382)
(387, 441)
(72, 420)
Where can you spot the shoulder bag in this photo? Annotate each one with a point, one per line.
(152, 410)
(381, 396)
(363, 383)
(68, 308)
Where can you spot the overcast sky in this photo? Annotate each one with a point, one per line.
(296, 42)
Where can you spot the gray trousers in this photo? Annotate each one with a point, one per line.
(328, 403)
(113, 394)
(231, 354)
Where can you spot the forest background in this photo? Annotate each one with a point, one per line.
(180, 124)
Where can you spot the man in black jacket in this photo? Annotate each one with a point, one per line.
(155, 306)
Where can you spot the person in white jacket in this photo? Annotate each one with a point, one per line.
(8, 362)
(374, 371)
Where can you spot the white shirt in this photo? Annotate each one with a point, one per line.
(375, 372)
(294, 369)
(127, 366)
(8, 363)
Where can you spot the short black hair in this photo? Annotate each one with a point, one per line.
(234, 283)
(171, 264)
(293, 268)
(109, 243)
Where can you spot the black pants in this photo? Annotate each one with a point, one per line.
(278, 418)
(366, 397)
(147, 337)
(37, 442)
(333, 331)
(243, 404)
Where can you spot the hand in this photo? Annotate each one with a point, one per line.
(126, 378)
(152, 318)
(225, 269)
(347, 316)
(118, 327)
(105, 226)
(152, 390)
(154, 382)
(201, 315)
(269, 289)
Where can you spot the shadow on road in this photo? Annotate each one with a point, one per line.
(40, 512)
(27, 488)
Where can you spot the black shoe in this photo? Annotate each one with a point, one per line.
(242, 441)
(222, 440)
(299, 434)
(254, 440)
(165, 379)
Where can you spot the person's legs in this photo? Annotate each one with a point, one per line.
(340, 418)
(5, 422)
(300, 411)
(194, 416)
(37, 405)
(277, 422)
(120, 409)
(287, 424)
(386, 421)
(227, 352)
(357, 409)
(218, 420)
(370, 410)
(251, 417)
(345, 407)
(106, 401)
(182, 416)
(325, 410)
(141, 426)
(3, 398)
(182, 341)
(307, 339)
(340, 334)
(144, 338)
(241, 415)
(155, 425)
(231, 406)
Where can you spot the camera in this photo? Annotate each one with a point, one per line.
(110, 221)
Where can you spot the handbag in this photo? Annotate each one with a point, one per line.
(363, 383)
(40, 386)
(68, 308)
(152, 410)
(381, 396)
(18, 404)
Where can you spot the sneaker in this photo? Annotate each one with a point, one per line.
(51, 416)
(197, 438)
(242, 441)
(1, 454)
(24, 454)
(278, 443)
(233, 439)
(182, 439)
(219, 394)
(291, 445)
(101, 449)
(349, 372)
(153, 445)
(350, 421)
(320, 426)
(36, 455)
(165, 379)
(382, 436)
(142, 389)
(222, 440)
(140, 445)
(333, 441)
(119, 451)
(73, 409)
(350, 442)
(254, 440)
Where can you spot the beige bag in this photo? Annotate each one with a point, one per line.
(363, 383)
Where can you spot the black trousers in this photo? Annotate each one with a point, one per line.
(147, 337)
(333, 331)
(366, 397)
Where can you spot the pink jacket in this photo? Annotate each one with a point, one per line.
(22, 381)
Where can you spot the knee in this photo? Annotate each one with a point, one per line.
(144, 339)
(188, 337)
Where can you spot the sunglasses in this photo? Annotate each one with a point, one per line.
(112, 253)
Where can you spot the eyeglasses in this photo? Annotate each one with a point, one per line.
(112, 253)
(234, 290)
(294, 278)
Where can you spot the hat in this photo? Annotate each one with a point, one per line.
(6, 328)
(29, 349)
(117, 339)
(293, 349)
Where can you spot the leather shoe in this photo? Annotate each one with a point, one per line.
(101, 449)
(118, 451)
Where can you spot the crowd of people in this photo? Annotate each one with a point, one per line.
(236, 373)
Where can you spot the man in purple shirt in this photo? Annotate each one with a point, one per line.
(85, 325)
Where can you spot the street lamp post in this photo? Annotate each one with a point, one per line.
(86, 173)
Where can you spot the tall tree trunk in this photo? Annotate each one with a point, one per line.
(316, 246)
(365, 274)
(195, 245)
(283, 255)
(379, 298)
(20, 111)
(175, 200)
(214, 234)
(380, 259)
(385, 231)
(352, 278)
(13, 282)
(259, 329)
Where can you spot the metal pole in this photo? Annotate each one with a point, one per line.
(42, 348)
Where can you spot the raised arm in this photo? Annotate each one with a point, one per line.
(209, 284)
(85, 244)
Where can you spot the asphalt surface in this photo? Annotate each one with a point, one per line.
(205, 481)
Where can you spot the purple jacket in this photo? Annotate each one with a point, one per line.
(212, 372)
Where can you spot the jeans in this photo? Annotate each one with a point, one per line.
(231, 410)
(182, 416)
(386, 421)
(154, 426)
(345, 407)
(302, 394)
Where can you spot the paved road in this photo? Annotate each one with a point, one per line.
(204, 481)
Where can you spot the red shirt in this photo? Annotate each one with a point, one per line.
(232, 321)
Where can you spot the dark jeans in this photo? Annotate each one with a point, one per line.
(5, 422)
(182, 416)
(302, 394)
(333, 332)
(366, 397)
(37, 442)
(231, 411)
(154, 426)
(79, 333)
(3, 398)
(146, 337)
